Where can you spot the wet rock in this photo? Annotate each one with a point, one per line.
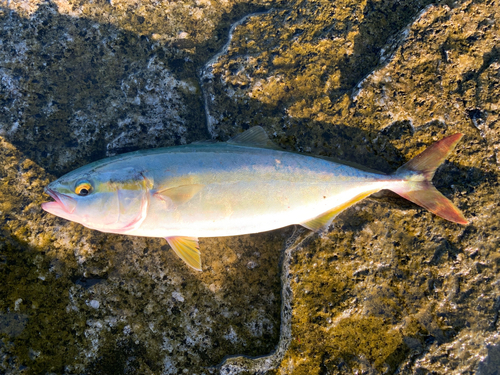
(389, 288)
(87, 302)
(401, 290)
(83, 90)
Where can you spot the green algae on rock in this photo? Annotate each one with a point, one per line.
(89, 80)
(72, 90)
(387, 78)
(91, 303)
(416, 93)
(81, 90)
(432, 299)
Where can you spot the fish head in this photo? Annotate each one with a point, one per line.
(114, 201)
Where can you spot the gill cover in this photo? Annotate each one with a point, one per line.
(113, 201)
(129, 189)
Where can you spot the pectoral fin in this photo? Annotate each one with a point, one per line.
(323, 221)
(179, 194)
(187, 249)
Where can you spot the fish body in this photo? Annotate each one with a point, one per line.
(245, 185)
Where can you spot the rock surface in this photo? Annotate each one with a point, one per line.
(390, 288)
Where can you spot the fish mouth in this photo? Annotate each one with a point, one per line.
(63, 203)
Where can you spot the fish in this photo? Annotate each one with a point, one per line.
(245, 185)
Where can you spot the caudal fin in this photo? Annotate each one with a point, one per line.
(418, 173)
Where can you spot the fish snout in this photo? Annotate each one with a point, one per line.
(62, 202)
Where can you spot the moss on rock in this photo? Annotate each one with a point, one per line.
(389, 288)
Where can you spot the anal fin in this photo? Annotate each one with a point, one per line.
(323, 221)
(188, 249)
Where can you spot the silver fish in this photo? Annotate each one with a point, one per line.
(245, 185)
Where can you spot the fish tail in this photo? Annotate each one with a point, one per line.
(417, 177)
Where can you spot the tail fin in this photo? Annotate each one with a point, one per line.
(418, 187)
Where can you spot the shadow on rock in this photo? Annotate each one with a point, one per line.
(106, 296)
(74, 90)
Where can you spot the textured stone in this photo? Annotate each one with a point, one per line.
(390, 288)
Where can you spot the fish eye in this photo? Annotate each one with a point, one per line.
(83, 188)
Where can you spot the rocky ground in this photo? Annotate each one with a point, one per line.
(389, 289)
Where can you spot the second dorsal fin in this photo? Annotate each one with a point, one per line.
(254, 137)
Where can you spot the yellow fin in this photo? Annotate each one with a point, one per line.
(323, 221)
(179, 194)
(254, 137)
(419, 188)
(187, 249)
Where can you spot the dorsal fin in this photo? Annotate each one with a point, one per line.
(205, 142)
(254, 137)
